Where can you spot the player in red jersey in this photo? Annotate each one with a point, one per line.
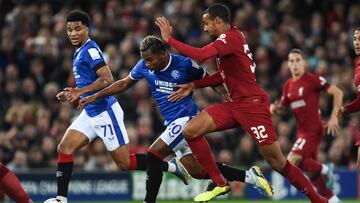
(10, 184)
(249, 106)
(354, 106)
(302, 94)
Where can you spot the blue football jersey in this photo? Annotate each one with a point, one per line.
(87, 60)
(180, 70)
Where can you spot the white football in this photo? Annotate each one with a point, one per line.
(53, 200)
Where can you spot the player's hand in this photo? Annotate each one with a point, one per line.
(274, 107)
(333, 126)
(61, 96)
(183, 91)
(71, 94)
(165, 28)
(340, 111)
(85, 101)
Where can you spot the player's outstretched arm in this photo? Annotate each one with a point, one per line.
(115, 88)
(333, 123)
(199, 54)
(105, 79)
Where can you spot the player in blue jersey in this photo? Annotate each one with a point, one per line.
(163, 71)
(103, 118)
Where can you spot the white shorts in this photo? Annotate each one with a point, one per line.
(174, 138)
(109, 126)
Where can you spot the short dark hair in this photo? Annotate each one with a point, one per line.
(78, 15)
(297, 51)
(219, 10)
(152, 43)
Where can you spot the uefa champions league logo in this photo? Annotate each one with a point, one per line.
(175, 74)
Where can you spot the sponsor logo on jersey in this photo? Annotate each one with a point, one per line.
(175, 74)
(222, 38)
(297, 104)
(94, 53)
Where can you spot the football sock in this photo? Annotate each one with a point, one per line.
(230, 173)
(11, 186)
(201, 150)
(154, 177)
(319, 182)
(64, 172)
(297, 179)
(310, 165)
(139, 162)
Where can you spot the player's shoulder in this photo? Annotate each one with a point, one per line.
(140, 64)
(91, 49)
(233, 34)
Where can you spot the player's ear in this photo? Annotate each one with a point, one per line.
(218, 20)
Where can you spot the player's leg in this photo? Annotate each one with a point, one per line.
(70, 143)
(170, 141)
(155, 166)
(252, 176)
(10, 184)
(214, 117)
(304, 155)
(79, 134)
(254, 115)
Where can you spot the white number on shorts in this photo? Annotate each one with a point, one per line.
(299, 144)
(259, 131)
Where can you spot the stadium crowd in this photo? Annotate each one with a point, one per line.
(36, 63)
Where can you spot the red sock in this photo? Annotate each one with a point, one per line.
(201, 150)
(319, 182)
(310, 165)
(133, 162)
(11, 186)
(297, 179)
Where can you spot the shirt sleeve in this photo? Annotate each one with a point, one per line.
(284, 101)
(354, 106)
(95, 58)
(196, 72)
(211, 80)
(136, 73)
(199, 54)
(225, 44)
(320, 83)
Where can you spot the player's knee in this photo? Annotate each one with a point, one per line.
(189, 133)
(276, 162)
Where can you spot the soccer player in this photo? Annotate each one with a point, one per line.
(354, 106)
(103, 118)
(302, 94)
(249, 108)
(10, 184)
(163, 71)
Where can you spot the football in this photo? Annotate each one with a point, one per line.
(52, 200)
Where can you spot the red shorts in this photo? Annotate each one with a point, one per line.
(252, 113)
(307, 144)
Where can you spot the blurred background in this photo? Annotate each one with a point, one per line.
(36, 63)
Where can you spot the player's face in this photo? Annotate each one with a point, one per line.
(357, 42)
(154, 61)
(209, 25)
(296, 64)
(77, 32)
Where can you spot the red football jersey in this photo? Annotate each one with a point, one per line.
(236, 65)
(303, 97)
(357, 73)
